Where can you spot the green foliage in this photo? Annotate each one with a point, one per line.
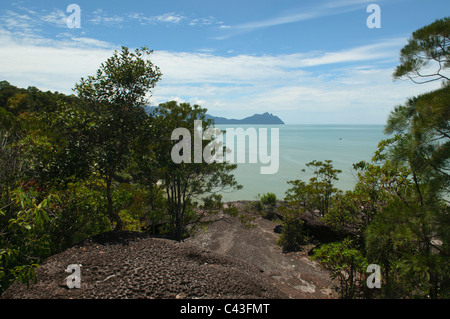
(123, 81)
(80, 213)
(319, 192)
(301, 194)
(408, 236)
(213, 202)
(344, 212)
(293, 234)
(58, 145)
(346, 264)
(377, 182)
(401, 240)
(423, 124)
(267, 205)
(231, 210)
(427, 48)
(24, 236)
(117, 94)
(269, 199)
(186, 181)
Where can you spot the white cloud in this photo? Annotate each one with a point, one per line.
(350, 86)
(376, 51)
(50, 64)
(20, 24)
(325, 86)
(56, 17)
(26, 20)
(185, 67)
(205, 21)
(30, 22)
(169, 17)
(173, 18)
(102, 19)
(322, 9)
(88, 43)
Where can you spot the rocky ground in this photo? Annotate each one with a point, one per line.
(292, 273)
(131, 265)
(227, 260)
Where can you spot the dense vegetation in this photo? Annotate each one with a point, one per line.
(75, 166)
(398, 210)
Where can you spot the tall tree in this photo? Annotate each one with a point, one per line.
(318, 193)
(118, 93)
(424, 121)
(424, 124)
(190, 179)
(409, 237)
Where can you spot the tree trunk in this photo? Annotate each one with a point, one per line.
(114, 216)
(417, 188)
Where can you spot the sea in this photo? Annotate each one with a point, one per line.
(299, 144)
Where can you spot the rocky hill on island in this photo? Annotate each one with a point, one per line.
(256, 119)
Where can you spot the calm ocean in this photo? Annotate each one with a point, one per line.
(300, 144)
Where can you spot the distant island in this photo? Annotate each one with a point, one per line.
(265, 118)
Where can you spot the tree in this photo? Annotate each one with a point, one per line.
(188, 180)
(320, 190)
(293, 234)
(408, 237)
(117, 95)
(428, 45)
(347, 265)
(24, 236)
(424, 124)
(12, 167)
(402, 240)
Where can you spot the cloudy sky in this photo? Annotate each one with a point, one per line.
(312, 61)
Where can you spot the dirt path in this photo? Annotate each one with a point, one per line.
(294, 274)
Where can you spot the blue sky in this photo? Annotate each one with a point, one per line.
(308, 62)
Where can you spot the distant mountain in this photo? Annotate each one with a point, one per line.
(265, 118)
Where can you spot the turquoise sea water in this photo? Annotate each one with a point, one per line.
(300, 144)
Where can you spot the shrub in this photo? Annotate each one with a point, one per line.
(346, 264)
(268, 203)
(269, 199)
(293, 234)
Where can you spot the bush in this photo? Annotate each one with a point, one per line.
(269, 199)
(24, 240)
(268, 205)
(213, 202)
(347, 265)
(293, 234)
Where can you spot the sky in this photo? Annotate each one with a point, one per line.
(308, 62)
